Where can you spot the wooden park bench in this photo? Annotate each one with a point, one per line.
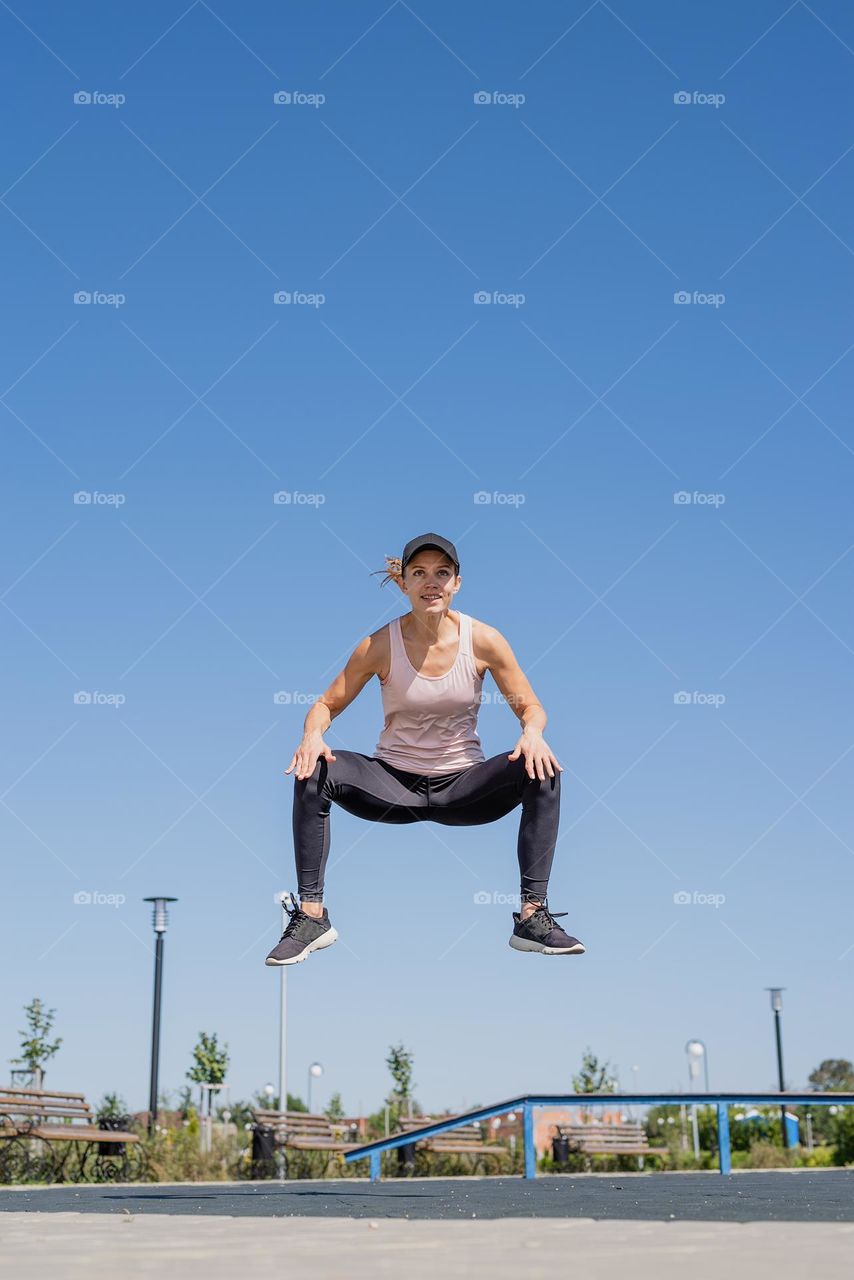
(466, 1141)
(609, 1140)
(300, 1132)
(50, 1137)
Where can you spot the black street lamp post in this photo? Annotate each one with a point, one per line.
(160, 922)
(777, 1006)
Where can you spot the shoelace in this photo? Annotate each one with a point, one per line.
(295, 922)
(550, 915)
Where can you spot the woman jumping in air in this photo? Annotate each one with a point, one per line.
(428, 765)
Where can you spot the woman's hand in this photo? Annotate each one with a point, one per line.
(539, 759)
(307, 755)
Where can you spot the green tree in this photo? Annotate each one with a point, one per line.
(833, 1075)
(185, 1102)
(335, 1109)
(266, 1102)
(400, 1063)
(842, 1135)
(111, 1107)
(594, 1076)
(210, 1060)
(36, 1048)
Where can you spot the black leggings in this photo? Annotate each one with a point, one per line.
(371, 789)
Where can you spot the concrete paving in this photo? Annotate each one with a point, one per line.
(124, 1246)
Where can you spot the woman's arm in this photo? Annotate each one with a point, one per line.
(501, 661)
(346, 686)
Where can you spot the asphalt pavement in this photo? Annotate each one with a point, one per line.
(806, 1196)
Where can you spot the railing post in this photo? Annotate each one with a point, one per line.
(374, 1163)
(723, 1138)
(528, 1134)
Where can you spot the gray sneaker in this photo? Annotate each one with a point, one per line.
(303, 935)
(540, 933)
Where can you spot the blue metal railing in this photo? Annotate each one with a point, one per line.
(372, 1151)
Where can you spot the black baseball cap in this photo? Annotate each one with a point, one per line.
(435, 542)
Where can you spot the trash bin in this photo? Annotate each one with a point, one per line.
(560, 1151)
(406, 1158)
(113, 1124)
(263, 1152)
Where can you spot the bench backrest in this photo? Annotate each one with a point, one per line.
(24, 1104)
(616, 1135)
(465, 1135)
(295, 1124)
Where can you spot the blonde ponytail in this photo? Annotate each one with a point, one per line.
(393, 570)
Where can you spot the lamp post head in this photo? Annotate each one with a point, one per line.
(695, 1048)
(316, 1069)
(776, 998)
(160, 918)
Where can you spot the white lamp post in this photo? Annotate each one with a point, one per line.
(696, 1052)
(696, 1049)
(314, 1072)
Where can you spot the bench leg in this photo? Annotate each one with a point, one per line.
(60, 1159)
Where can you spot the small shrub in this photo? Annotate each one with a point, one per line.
(818, 1158)
(174, 1155)
(765, 1155)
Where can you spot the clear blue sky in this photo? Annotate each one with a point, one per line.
(397, 398)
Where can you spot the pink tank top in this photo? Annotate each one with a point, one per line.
(431, 721)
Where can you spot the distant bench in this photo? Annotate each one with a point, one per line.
(41, 1131)
(609, 1140)
(299, 1131)
(465, 1141)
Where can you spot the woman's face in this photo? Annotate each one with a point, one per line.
(430, 582)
